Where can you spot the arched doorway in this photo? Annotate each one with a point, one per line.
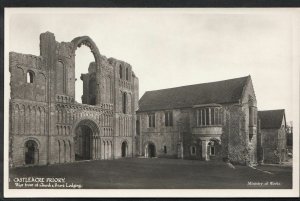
(124, 149)
(150, 150)
(83, 143)
(213, 148)
(31, 152)
(86, 146)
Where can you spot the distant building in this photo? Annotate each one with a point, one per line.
(209, 121)
(272, 138)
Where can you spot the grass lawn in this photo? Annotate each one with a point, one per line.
(157, 173)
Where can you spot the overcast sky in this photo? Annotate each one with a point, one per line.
(175, 47)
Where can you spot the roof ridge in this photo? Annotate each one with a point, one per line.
(225, 91)
(271, 118)
(200, 83)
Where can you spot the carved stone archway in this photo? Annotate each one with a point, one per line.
(86, 137)
(87, 41)
(88, 122)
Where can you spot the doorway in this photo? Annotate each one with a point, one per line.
(151, 150)
(83, 143)
(124, 149)
(31, 152)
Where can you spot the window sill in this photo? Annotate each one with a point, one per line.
(204, 126)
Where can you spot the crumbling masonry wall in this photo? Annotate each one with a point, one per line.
(43, 107)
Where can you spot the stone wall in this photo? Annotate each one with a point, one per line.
(270, 144)
(20, 66)
(240, 128)
(273, 145)
(165, 139)
(234, 139)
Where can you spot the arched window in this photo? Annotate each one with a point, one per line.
(29, 77)
(127, 76)
(60, 77)
(121, 72)
(124, 102)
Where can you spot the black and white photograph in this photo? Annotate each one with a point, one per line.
(164, 101)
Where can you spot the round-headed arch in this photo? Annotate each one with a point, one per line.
(86, 40)
(89, 123)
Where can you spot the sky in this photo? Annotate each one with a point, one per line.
(175, 47)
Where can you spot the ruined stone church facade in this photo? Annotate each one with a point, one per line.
(48, 126)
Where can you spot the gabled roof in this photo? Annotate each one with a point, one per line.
(221, 92)
(271, 118)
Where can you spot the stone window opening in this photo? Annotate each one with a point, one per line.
(151, 118)
(29, 77)
(193, 150)
(209, 116)
(124, 102)
(252, 118)
(126, 74)
(121, 72)
(169, 118)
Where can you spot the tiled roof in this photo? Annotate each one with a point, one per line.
(221, 92)
(271, 118)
